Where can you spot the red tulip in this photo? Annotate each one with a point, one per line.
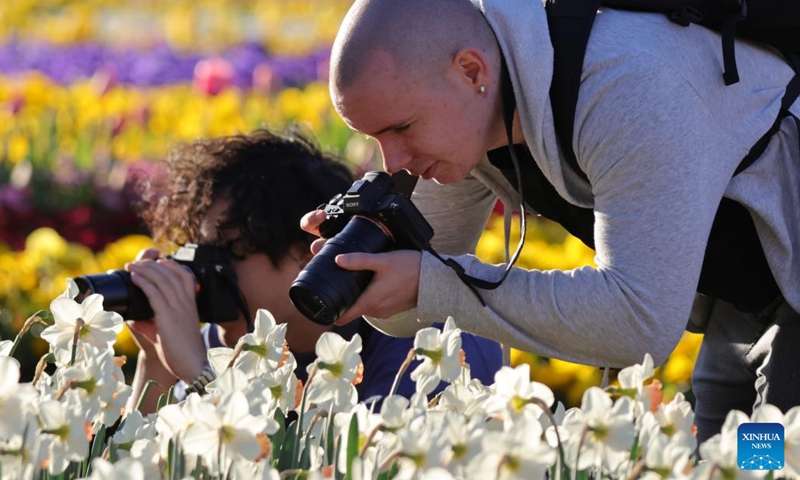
(213, 75)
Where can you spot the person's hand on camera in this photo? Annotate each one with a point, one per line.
(392, 290)
(173, 331)
(310, 223)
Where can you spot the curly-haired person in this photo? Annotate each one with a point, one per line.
(247, 193)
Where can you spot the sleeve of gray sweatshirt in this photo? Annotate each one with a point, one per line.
(657, 176)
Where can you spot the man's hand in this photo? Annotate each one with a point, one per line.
(392, 290)
(173, 331)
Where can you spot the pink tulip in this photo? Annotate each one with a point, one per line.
(213, 75)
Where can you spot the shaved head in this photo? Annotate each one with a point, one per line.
(421, 36)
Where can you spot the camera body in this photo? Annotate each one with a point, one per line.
(370, 217)
(218, 297)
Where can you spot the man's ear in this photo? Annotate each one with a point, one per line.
(471, 66)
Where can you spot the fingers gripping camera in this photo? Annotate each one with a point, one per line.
(218, 297)
(370, 217)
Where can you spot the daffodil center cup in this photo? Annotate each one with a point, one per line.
(336, 369)
(435, 355)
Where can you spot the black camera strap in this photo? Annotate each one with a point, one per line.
(404, 183)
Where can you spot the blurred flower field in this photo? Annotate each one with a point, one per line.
(94, 92)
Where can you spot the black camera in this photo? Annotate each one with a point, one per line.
(370, 217)
(218, 296)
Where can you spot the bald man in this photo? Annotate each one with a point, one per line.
(657, 135)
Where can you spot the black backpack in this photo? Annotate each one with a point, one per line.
(735, 268)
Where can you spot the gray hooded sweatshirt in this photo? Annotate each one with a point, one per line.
(659, 136)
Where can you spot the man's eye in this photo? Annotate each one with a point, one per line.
(403, 128)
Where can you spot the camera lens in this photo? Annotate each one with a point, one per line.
(323, 290)
(119, 294)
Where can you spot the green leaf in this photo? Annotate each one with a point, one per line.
(352, 445)
(198, 468)
(171, 458)
(286, 461)
(162, 401)
(113, 451)
(98, 442)
(278, 438)
(330, 439)
(171, 395)
(305, 455)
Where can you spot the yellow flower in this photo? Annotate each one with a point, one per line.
(45, 244)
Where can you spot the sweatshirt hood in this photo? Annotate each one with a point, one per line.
(524, 38)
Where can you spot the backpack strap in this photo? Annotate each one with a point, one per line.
(792, 91)
(570, 24)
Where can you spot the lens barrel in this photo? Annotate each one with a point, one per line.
(119, 294)
(323, 290)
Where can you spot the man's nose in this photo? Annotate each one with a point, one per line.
(395, 157)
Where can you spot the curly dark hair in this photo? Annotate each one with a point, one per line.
(269, 179)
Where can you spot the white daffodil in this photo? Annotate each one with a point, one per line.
(516, 453)
(274, 389)
(13, 398)
(338, 363)
(600, 433)
(421, 446)
(721, 453)
(464, 437)
(631, 380)
(68, 429)
(369, 429)
(146, 451)
(669, 420)
(97, 383)
(173, 420)
(514, 392)
(229, 425)
(396, 414)
(435, 473)
(135, 427)
(228, 381)
(20, 454)
(465, 399)
(667, 457)
(5, 348)
(98, 328)
(254, 471)
(124, 469)
(263, 349)
(71, 291)
(440, 352)
(791, 433)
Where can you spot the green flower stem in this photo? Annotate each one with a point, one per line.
(300, 415)
(76, 334)
(561, 455)
(580, 446)
(145, 390)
